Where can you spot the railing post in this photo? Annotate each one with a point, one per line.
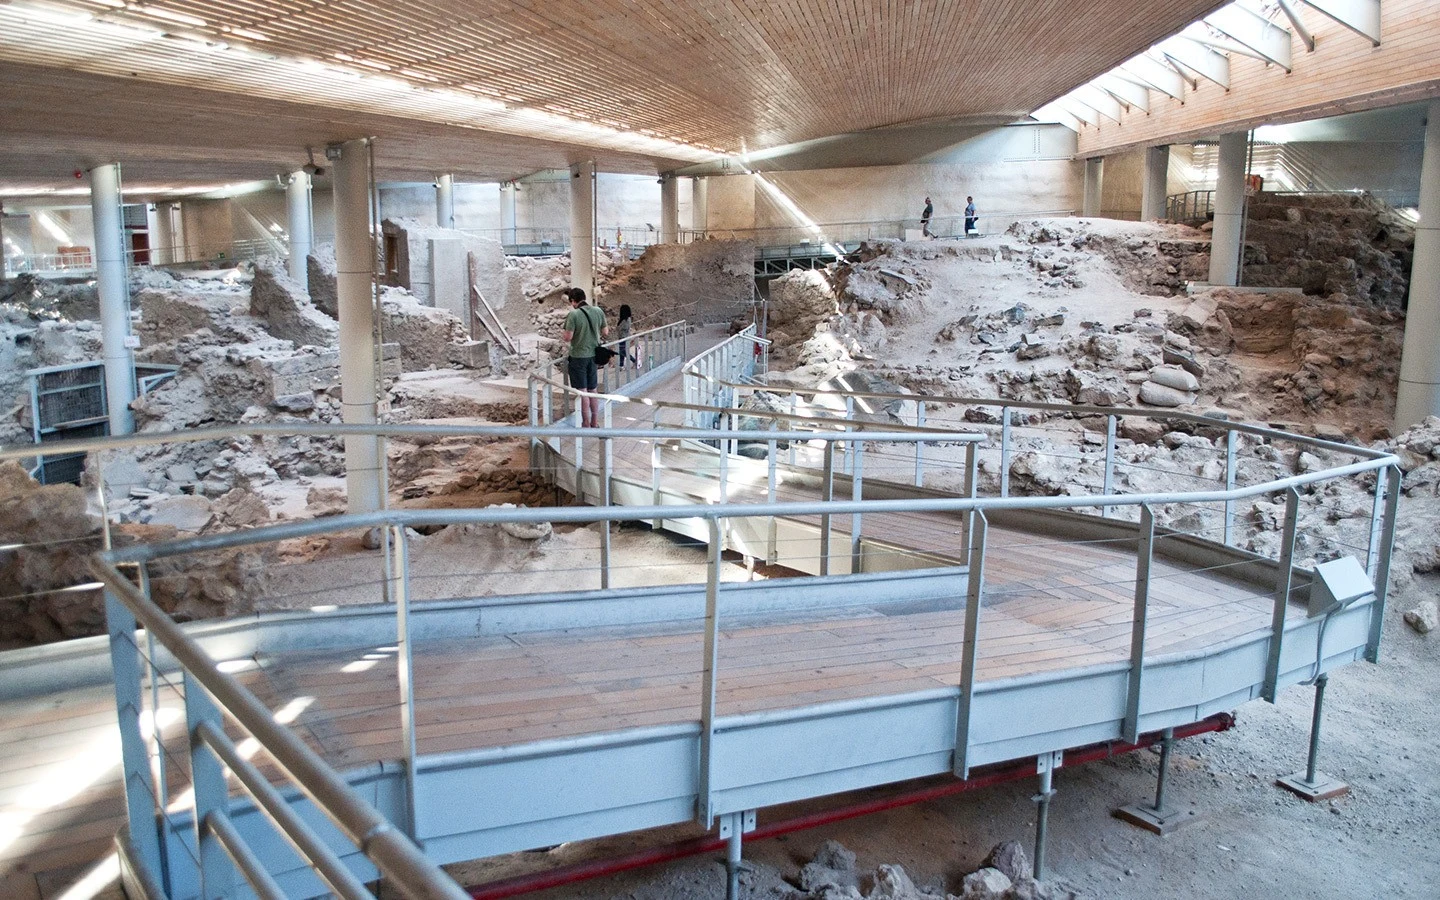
(771, 482)
(794, 409)
(857, 493)
(704, 803)
(579, 464)
(207, 780)
(607, 464)
(162, 779)
(532, 394)
(1004, 451)
(969, 649)
(1230, 442)
(655, 466)
(827, 493)
(848, 465)
(1144, 556)
(1384, 553)
(972, 480)
(144, 819)
(1283, 578)
(405, 671)
(1109, 460)
(919, 445)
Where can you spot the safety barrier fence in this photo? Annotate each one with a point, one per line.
(646, 353)
(708, 379)
(80, 260)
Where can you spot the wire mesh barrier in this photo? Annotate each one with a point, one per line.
(462, 660)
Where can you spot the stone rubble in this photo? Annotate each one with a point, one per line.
(831, 874)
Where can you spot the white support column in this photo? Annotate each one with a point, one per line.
(1229, 210)
(445, 201)
(509, 195)
(1157, 171)
(699, 203)
(113, 287)
(299, 219)
(582, 227)
(1094, 184)
(178, 250)
(354, 264)
(1419, 394)
(4, 254)
(669, 209)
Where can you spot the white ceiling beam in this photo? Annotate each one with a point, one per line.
(1198, 58)
(1099, 101)
(1156, 74)
(1079, 110)
(1298, 24)
(1126, 91)
(1254, 31)
(1190, 78)
(1360, 16)
(1054, 112)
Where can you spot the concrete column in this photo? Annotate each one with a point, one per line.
(699, 203)
(509, 197)
(669, 209)
(114, 290)
(1157, 180)
(582, 227)
(354, 264)
(1229, 210)
(4, 253)
(178, 249)
(1419, 394)
(1094, 185)
(445, 201)
(300, 222)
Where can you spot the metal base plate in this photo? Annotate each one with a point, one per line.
(1160, 822)
(1323, 788)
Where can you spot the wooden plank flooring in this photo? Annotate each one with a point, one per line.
(1049, 605)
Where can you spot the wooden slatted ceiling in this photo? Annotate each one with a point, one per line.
(727, 74)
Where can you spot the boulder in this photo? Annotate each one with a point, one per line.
(1160, 395)
(1424, 618)
(184, 513)
(1096, 388)
(986, 884)
(1174, 377)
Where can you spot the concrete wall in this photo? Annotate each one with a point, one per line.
(477, 204)
(626, 201)
(209, 228)
(543, 204)
(731, 202)
(1124, 184)
(1344, 74)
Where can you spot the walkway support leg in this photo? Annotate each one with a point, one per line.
(1314, 785)
(732, 827)
(1045, 765)
(1159, 818)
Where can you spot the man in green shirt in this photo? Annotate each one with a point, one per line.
(584, 329)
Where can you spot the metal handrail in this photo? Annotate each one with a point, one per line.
(393, 853)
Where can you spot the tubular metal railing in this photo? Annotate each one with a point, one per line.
(709, 378)
(1189, 206)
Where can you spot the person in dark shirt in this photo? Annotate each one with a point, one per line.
(925, 218)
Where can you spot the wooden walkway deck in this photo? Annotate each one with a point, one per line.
(1049, 605)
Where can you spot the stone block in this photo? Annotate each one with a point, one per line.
(471, 354)
(449, 277)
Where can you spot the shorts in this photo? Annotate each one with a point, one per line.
(584, 375)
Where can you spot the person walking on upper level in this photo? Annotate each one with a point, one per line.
(925, 218)
(584, 328)
(970, 217)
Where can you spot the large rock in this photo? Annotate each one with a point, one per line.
(1160, 395)
(320, 272)
(1424, 618)
(286, 308)
(833, 865)
(893, 883)
(1174, 377)
(1096, 388)
(183, 513)
(986, 884)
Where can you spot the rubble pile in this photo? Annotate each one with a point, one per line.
(1153, 258)
(700, 282)
(1005, 874)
